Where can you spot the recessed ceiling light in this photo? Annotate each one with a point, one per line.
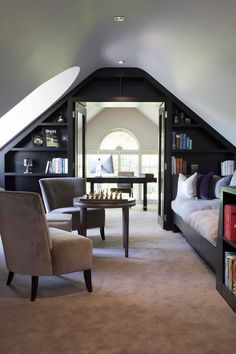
(119, 18)
(121, 61)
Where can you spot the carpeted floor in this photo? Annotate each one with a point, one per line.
(161, 300)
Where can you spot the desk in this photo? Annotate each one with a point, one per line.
(141, 180)
(125, 204)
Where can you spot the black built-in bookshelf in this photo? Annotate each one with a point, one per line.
(198, 147)
(224, 247)
(33, 143)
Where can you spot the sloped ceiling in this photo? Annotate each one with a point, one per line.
(187, 45)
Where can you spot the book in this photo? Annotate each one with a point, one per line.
(51, 138)
(230, 222)
(227, 167)
(47, 168)
(230, 268)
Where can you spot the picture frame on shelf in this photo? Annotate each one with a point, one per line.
(37, 140)
(51, 136)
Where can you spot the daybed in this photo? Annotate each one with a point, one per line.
(196, 212)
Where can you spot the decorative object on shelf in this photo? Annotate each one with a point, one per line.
(194, 167)
(181, 117)
(28, 164)
(176, 118)
(64, 137)
(52, 138)
(61, 118)
(37, 139)
(187, 120)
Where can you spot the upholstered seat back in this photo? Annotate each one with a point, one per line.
(59, 192)
(125, 174)
(25, 234)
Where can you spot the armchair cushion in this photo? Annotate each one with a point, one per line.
(69, 252)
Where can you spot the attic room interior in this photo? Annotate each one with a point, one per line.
(117, 177)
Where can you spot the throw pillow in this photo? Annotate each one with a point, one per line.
(223, 182)
(214, 180)
(205, 186)
(187, 186)
(233, 179)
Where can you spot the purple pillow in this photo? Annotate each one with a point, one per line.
(199, 178)
(205, 186)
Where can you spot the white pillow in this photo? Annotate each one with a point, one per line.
(233, 179)
(187, 187)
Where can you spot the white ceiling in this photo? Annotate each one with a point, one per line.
(187, 45)
(149, 109)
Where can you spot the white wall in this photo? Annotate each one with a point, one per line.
(126, 118)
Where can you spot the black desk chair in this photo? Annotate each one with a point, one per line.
(124, 187)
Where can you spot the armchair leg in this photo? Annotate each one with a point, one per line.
(88, 280)
(10, 277)
(102, 232)
(34, 287)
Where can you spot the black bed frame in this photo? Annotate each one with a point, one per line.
(203, 247)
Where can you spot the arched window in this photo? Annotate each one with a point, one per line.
(127, 156)
(119, 140)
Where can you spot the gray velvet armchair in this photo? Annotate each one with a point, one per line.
(32, 248)
(58, 194)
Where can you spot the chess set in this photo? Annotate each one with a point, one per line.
(103, 196)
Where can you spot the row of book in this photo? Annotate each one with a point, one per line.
(57, 165)
(227, 167)
(230, 222)
(181, 141)
(178, 165)
(230, 271)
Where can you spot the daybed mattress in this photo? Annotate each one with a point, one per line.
(186, 206)
(205, 222)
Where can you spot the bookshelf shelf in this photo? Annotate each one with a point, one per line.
(185, 126)
(199, 151)
(13, 174)
(231, 243)
(53, 124)
(40, 149)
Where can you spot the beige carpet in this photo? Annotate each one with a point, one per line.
(161, 300)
